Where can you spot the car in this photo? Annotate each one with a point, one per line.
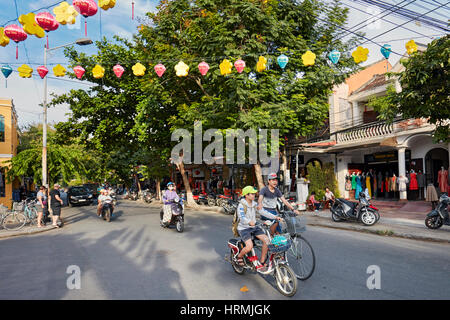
(93, 188)
(79, 195)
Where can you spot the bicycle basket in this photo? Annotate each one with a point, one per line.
(294, 224)
(18, 206)
(280, 244)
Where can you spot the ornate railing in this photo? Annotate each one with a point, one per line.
(366, 132)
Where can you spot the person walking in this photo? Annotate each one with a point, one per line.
(42, 197)
(55, 203)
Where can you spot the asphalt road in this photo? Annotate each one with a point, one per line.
(133, 258)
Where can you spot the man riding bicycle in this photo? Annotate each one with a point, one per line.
(267, 201)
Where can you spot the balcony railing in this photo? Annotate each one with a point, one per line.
(363, 133)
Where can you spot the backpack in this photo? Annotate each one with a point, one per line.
(236, 219)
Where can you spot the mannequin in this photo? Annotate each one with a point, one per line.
(443, 179)
(413, 185)
(421, 184)
(368, 185)
(363, 181)
(353, 185)
(380, 183)
(402, 182)
(394, 188)
(386, 185)
(358, 186)
(374, 184)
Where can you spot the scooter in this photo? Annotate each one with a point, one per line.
(177, 218)
(212, 199)
(107, 211)
(439, 216)
(363, 211)
(230, 206)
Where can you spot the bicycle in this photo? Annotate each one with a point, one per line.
(30, 212)
(15, 219)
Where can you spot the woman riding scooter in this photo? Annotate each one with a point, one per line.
(168, 197)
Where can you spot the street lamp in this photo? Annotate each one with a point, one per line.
(80, 42)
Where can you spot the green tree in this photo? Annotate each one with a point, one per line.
(425, 89)
(321, 177)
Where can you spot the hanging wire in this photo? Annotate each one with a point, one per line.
(43, 8)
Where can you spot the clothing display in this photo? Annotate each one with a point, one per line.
(358, 187)
(421, 180)
(392, 186)
(354, 181)
(402, 181)
(348, 184)
(368, 186)
(413, 184)
(443, 180)
(431, 193)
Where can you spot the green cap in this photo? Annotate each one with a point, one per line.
(248, 189)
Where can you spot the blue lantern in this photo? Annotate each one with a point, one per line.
(334, 56)
(282, 61)
(6, 70)
(386, 51)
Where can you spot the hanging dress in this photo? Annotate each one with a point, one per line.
(358, 187)
(353, 182)
(413, 184)
(368, 186)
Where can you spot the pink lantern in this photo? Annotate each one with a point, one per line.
(203, 67)
(86, 8)
(16, 34)
(118, 70)
(160, 69)
(79, 71)
(239, 65)
(42, 71)
(47, 22)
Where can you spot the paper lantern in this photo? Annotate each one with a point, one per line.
(334, 56)
(79, 71)
(47, 22)
(411, 47)
(386, 51)
(118, 70)
(4, 40)
(181, 69)
(225, 67)
(138, 69)
(261, 64)
(106, 4)
(30, 26)
(65, 13)
(160, 69)
(203, 67)
(6, 70)
(42, 71)
(309, 58)
(16, 34)
(87, 8)
(360, 54)
(25, 71)
(239, 65)
(59, 71)
(98, 72)
(282, 61)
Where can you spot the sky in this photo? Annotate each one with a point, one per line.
(27, 94)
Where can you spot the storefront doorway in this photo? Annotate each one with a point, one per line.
(434, 160)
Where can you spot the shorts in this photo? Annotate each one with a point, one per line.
(248, 233)
(275, 213)
(56, 211)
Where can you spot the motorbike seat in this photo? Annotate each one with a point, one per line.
(347, 202)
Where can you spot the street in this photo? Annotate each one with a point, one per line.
(132, 257)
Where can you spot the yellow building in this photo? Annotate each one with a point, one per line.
(9, 140)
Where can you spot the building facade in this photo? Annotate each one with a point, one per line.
(9, 141)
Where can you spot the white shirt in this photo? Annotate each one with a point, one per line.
(106, 199)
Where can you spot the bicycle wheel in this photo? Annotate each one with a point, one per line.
(301, 258)
(32, 216)
(14, 221)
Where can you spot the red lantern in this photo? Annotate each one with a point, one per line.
(47, 22)
(42, 71)
(16, 34)
(239, 65)
(79, 71)
(203, 67)
(118, 70)
(160, 69)
(86, 8)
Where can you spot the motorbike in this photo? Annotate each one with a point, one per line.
(148, 196)
(362, 211)
(200, 197)
(133, 195)
(212, 199)
(177, 218)
(222, 199)
(230, 206)
(107, 210)
(278, 266)
(113, 195)
(439, 216)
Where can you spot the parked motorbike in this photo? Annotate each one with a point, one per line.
(362, 211)
(177, 218)
(222, 199)
(212, 199)
(439, 216)
(230, 206)
(200, 197)
(278, 266)
(148, 196)
(133, 195)
(107, 211)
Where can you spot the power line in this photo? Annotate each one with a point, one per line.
(43, 8)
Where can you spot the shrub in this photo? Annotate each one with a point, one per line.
(321, 177)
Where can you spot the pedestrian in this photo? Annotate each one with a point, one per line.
(55, 203)
(63, 195)
(42, 197)
(315, 202)
(329, 197)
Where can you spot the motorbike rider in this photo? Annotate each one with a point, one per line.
(247, 229)
(267, 201)
(104, 197)
(168, 196)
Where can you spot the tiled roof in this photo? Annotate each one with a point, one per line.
(378, 80)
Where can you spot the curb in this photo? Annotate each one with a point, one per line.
(25, 233)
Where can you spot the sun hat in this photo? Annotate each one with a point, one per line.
(272, 176)
(170, 183)
(248, 189)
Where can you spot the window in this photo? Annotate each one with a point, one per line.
(2, 129)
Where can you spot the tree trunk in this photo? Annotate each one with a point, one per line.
(187, 186)
(258, 174)
(158, 189)
(285, 173)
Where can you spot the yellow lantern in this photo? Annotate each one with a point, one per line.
(30, 26)
(98, 72)
(411, 47)
(225, 67)
(4, 40)
(59, 71)
(25, 71)
(106, 4)
(138, 69)
(360, 54)
(65, 13)
(309, 58)
(261, 64)
(182, 69)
